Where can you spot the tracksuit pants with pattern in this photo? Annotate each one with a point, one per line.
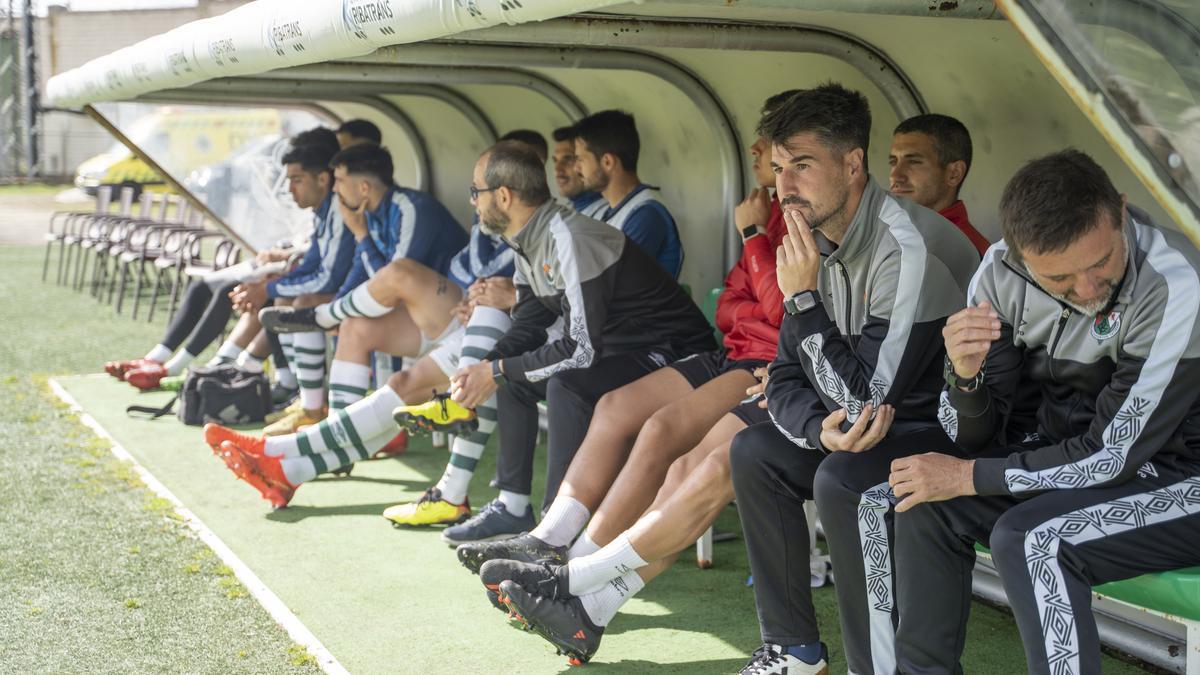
(1049, 549)
(856, 507)
(571, 397)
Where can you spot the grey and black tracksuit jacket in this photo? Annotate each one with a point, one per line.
(1094, 469)
(623, 317)
(875, 338)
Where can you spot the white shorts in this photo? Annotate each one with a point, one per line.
(448, 350)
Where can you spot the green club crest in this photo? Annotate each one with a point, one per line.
(1106, 325)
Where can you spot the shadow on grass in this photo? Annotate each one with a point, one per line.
(295, 514)
(639, 667)
(417, 485)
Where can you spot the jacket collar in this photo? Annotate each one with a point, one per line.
(860, 235)
(536, 225)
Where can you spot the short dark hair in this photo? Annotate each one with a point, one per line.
(516, 166)
(777, 101)
(366, 158)
(611, 132)
(839, 117)
(951, 140)
(531, 138)
(312, 149)
(1054, 200)
(567, 133)
(361, 128)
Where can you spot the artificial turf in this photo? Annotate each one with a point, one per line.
(105, 580)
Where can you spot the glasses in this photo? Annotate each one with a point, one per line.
(475, 192)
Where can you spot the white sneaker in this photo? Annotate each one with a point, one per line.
(770, 659)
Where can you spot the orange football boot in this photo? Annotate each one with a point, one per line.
(264, 473)
(215, 435)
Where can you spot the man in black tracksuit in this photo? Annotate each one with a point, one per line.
(859, 362)
(622, 317)
(1077, 362)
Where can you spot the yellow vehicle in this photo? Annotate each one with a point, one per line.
(180, 141)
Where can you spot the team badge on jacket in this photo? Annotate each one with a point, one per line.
(1106, 325)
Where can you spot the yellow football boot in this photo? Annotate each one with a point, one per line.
(430, 509)
(439, 414)
(291, 422)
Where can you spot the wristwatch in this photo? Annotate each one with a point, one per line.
(967, 385)
(497, 374)
(801, 302)
(749, 231)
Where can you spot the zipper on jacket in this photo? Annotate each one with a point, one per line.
(849, 302)
(1062, 322)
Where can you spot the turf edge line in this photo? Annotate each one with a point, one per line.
(272, 603)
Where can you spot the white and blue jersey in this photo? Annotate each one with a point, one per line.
(644, 219)
(407, 224)
(325, 265)
(485, 256)
(590, 204)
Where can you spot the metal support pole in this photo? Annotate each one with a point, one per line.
(29, 88)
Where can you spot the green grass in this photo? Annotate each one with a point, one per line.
(95, 574)
(103, 579)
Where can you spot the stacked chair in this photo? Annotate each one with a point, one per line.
(164, 246)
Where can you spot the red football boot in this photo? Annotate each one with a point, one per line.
(146, 377)
(118, 368)
(215, 434)
(394, 448)
(264, 473)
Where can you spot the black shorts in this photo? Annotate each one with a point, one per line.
(699, 369)
(749, 412)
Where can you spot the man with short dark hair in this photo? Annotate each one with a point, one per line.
(1075, 369)
(623, 316)
(929, 159)
(868, 281)
(606, 156)
(353, 132)
(207, 303)
(570, 183)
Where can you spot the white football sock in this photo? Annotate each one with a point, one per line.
(602, 605)
(589, 572)
(358, 302)
(348, 382)
(582, 546)
(159, 354)
(514, 503)
(563, 520)
(179, 363)
(357, 424)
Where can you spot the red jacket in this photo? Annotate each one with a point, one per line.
(957, 214)
(751, 308)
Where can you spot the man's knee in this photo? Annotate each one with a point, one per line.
(1008, 538)
(748, 448)
(658, 438)
(836, 477)
(615, 411)
(399, 273)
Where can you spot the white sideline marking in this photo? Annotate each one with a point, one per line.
(265, 597)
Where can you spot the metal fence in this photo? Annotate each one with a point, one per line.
(18, 93)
